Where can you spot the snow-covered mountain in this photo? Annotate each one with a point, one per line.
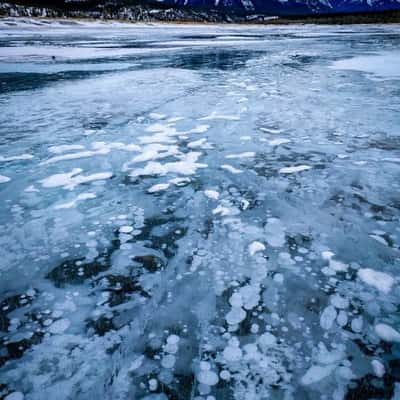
(293, 7)
(223, 7)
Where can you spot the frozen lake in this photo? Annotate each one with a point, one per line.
(199, 212)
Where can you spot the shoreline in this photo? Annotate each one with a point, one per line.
(181, 16)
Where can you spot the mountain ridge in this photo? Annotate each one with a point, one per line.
(196, 10)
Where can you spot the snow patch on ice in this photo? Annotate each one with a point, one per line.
(16, 158)
(70, 180)
(73, 203)
(65, 147)
(231, 169)
(247, 154)
(158, 187)
(291, 170)
(212, 194)
(215, 116)
(187, 165)
(278, 141)
(4, 179)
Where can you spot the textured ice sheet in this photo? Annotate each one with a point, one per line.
(215, 221)
(385, 64)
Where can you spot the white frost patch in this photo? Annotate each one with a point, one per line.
(255, 247)
(271, 130)
(334, 265)
(231, 169)
(379, 239)
(4, 179)
(379, 280)
(391, 159)
(60, 179)
(199, 129)
(157, 116)
(71, 179)
(327, 255)
(212, 194)
(158, 187)
(155, 151)
(65, 147)
(338, 266)
(99, 148)
(59, 326)
(202, 143)
(186, 166)
(180, 181)
(31, 189)
(215, 116)
(387, 333)
(71, 204)
(385, 64)
(73, 156)
(224, 211)
(291, 170)
(247, 154)
(278, 141)
(15, 158)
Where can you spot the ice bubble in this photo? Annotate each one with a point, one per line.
(208, 377)
(14, 396)
(59, 326)
(378, 368)
(255, 247)
(168, 361)
(266, 340)
(387, 333)
(379, 280)
(317, 373)
(328, 316)
(232, 353)
(235, 316)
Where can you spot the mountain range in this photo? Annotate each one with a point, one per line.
(219, 8)
(292, 7)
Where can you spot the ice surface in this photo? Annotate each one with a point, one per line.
(385, 64)
(198, 212)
